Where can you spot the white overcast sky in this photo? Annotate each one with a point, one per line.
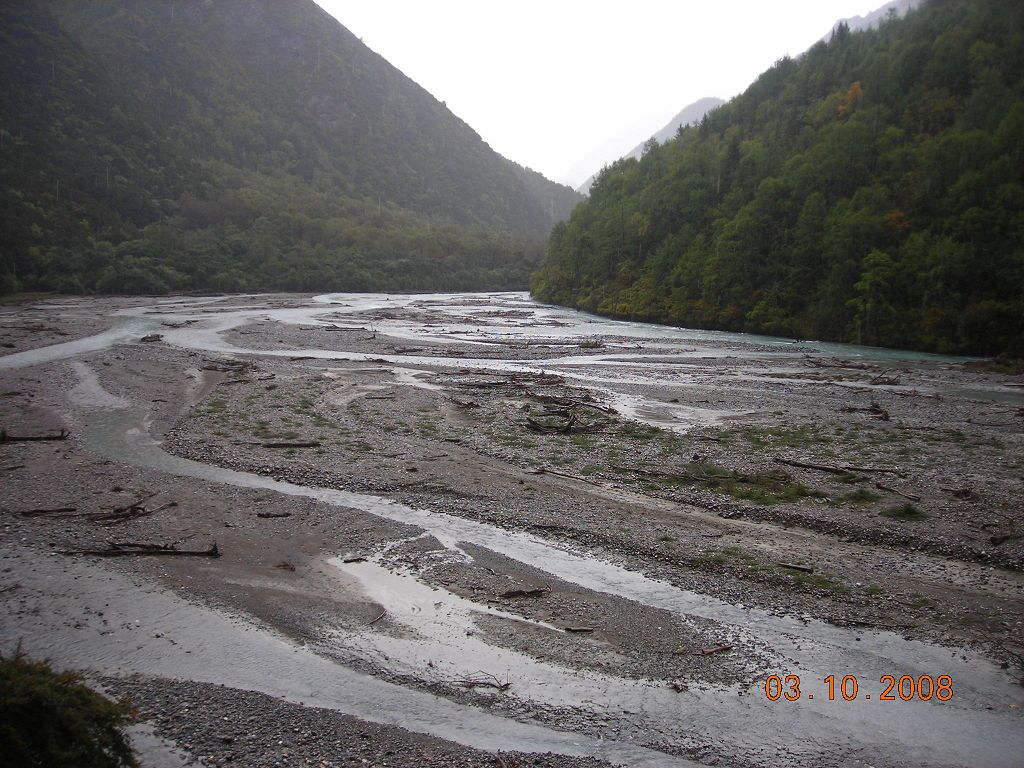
(562, 86)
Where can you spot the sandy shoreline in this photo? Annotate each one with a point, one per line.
(655, 457)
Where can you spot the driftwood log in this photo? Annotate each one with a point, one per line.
(6, 438)
(534, 592)
(138, 549)
(838, 469)
(903, 494)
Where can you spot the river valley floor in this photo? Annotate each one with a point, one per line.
(461, 530)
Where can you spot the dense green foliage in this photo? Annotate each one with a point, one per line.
(50, 720)
(871, 191)
(149, 145)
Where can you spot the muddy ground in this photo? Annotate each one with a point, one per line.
(866, 494)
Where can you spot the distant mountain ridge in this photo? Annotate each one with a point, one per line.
(876, 17)
(242, 144)
(691, 113)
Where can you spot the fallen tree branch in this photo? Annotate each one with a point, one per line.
(668, 475)
(534, 592)
(131, 513)
(128, 511)
(883, 380)
(135, 549)
(571, 402)
(6, 438)
(910, 496)
(838, 469)
(226, 366)
(571, 424)
(486, 681)
(874, 409)
(546, 471)
(382, 615)
(40, 512)
(795, 567)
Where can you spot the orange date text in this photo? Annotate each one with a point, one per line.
(849, 688)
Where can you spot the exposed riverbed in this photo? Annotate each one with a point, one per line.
(494, 526)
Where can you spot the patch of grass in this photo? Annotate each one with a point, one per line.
(583, 441)
(906, 512)
(884, 437)
(738, 554)
(711, 558)
(511, 438)
(873, 590)
(774, 487)
(590, 469)
(632, 430)
(666, 538)
(819, 581)
(726, 555)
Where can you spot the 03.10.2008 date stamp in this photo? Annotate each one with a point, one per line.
(849, 688)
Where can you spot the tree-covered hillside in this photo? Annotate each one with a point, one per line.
(148, 145)
(871, 191)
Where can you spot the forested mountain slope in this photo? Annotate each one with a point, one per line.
(243, 144)
(871, 190)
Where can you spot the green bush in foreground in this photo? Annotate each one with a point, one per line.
(51, 719)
